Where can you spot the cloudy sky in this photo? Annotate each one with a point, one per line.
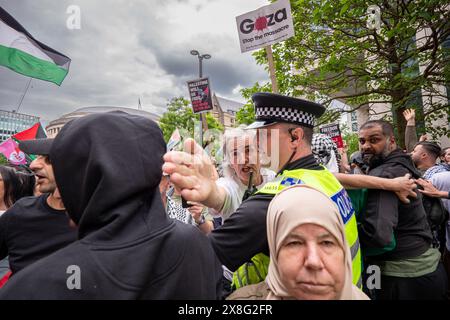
(128, 49)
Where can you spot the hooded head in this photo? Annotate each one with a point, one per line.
(108, 167)
(309, 254)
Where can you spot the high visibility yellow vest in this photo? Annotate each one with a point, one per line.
(251, 272)
(326, 182)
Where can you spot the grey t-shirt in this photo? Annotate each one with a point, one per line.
(441, 181)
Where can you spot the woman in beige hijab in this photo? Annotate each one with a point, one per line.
(309, 255)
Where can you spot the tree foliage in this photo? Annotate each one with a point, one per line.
(179, 115)
(246, 114)
(3, 160)
(335, 55)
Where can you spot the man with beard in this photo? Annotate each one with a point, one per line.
(243, 176)
(35, 227)
(287, 128)
(241, 164)
(410, 267)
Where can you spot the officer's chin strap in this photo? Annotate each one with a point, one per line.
(287, 163)
(293, 138)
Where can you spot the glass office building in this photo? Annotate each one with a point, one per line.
(13, 122)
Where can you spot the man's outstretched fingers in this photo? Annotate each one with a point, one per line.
(171, 168)
(179, 157)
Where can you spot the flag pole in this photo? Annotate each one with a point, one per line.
(273, 78)
(23, 96)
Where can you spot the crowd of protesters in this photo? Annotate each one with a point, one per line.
(109, 213)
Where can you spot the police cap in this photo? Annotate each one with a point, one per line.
(271, 108)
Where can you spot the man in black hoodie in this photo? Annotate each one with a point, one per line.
(108, 167)
(410, 267)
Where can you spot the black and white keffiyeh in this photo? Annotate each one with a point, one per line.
(322, 146)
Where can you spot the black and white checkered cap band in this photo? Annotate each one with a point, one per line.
(285, 114)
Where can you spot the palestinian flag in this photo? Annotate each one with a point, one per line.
(35, 132)
(20, 52)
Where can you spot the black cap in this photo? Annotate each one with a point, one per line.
(37, 146)
(271, 108)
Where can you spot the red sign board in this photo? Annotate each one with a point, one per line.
(200, 93)
(334, 133)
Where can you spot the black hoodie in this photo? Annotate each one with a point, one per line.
(108, 168)
(385, 215)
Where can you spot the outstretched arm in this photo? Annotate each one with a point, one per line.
(402, 186)
(430, 190)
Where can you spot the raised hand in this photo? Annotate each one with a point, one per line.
(192, 173)
(423, 137)
(410, 117)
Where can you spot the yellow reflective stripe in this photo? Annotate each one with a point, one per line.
(351, 233)
(351, 230)
(357, 269)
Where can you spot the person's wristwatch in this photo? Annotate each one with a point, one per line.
(202, 221)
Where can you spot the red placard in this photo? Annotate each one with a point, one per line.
(333, 131)
(200, 93)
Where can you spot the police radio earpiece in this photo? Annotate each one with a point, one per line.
(293, 136)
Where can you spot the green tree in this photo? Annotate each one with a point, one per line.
(352, 143)
(334, 49)
(246, 114)
(3, 160)
(179, 115)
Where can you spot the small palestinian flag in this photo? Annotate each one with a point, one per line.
(174, 140)
(20, 52)
(35, 132)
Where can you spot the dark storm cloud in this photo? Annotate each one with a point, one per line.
(124, 50)
(227, 68)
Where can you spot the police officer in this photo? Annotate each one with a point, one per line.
(243, 235)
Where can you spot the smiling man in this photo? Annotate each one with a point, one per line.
(35, 227)
(397, 234)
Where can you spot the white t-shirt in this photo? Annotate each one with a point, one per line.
(332, 164)
(235, 190)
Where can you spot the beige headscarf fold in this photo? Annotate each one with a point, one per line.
(299, 205)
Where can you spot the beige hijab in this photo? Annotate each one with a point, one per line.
(299, 205)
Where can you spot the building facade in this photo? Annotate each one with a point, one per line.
(12, 122)
(55, 126)
(421, 99)
(224, 111)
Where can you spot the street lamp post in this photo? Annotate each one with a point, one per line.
(200, 74)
